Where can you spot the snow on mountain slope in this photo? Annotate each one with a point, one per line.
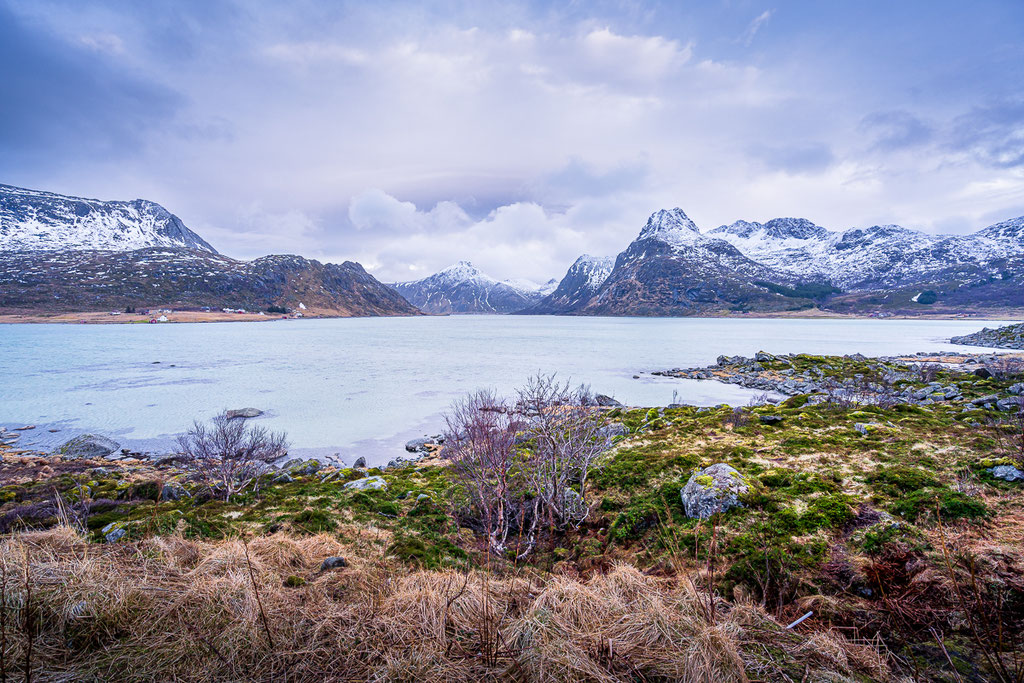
(581, 282)
(32, 220)
(463, 288)
(873, 258)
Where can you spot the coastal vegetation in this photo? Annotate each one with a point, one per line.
(893, 520)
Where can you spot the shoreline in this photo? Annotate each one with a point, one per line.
(120, 318)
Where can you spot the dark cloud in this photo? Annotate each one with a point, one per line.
(68, 101)
(794, 158)
(994, 133)
(892, 130)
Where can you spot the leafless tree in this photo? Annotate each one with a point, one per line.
(525, 464)
(480, 441)
(229, 455)
(567, 435)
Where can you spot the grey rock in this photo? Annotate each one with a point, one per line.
(713, 489)
(333, 562)
(610, 431)
(311, 466)
(173, 491)
(360, 462)
(284, 478)
(89, 446)
(983, 373)
(113, 532)
(422, 496)
(373, 483)
(606, 401)
(1010, 404)
(770, 419)
(991, 399)
(420, 445)
(1017, 389)
(1006, 472)
(244, 413)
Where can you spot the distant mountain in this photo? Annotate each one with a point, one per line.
(31, 220)
(672, 268)
(579, 285)
(881, 257)
(62, 253)
(463, 288)
(163, 277)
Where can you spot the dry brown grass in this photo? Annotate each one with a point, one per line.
(169, 608)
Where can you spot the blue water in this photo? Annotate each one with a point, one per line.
(364, 386)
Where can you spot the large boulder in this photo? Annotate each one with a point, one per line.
(88, 446)
(367, 483)
(606, 401)
(713, 489)
(423, 445)
(243, 413)
(1006, 472)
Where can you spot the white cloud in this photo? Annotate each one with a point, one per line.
(755, 26)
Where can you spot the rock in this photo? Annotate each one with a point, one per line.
(243, 413)
(1017, 389)
(606, 401)
(172, 490)
(375, 483)
(865, 428)
(1010, 404)
(713, 489)
(89, 446)
(419, 445)
(1006, 472)
(333, 562)
(763, 357)
(359, 463)
(983, 373)
(422, 496)
(311, 466)
(610, 431)
(284, 478)
(770, 419)
(113, 532)
(991, 399)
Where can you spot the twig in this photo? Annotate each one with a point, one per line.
(256, 590)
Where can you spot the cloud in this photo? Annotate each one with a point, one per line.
(896, 130)
(993, 134)
(807, 157)
(755, 26)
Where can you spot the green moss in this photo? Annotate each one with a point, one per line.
(895, 481)
(950, 505)
(314, 521)
(294, 581)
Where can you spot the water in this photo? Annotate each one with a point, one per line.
(364, 386)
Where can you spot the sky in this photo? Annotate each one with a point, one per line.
(516, 135)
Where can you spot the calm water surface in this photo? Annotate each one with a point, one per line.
(363, 386)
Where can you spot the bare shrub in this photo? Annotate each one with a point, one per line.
(525, 464)
(480, 442)
(229, 455)
(566, 435)
(1008, 431)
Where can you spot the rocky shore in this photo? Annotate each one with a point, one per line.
(1008, 337)
(921, 379)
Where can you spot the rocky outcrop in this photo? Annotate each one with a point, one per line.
(713, 489)
(1008, 337)
(367, 483)
(88, 446)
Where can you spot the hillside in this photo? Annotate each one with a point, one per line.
(463, 288)
(182, 278)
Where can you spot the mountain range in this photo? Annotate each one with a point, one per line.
(61, 253)
(463, 288)
(673, 268)
(69, 253)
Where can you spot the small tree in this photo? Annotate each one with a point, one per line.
(480, 441)
(229, 455)
(525, 464)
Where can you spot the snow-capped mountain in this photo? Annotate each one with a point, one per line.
(875, 258)
(463, 288)
(673, 269)
(581, 282)
(61, 253)
(31, 220)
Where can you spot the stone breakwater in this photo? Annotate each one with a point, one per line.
(1009, 337)
(920, 379)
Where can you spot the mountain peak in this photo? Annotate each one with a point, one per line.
(671, 226)
(34, 220)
